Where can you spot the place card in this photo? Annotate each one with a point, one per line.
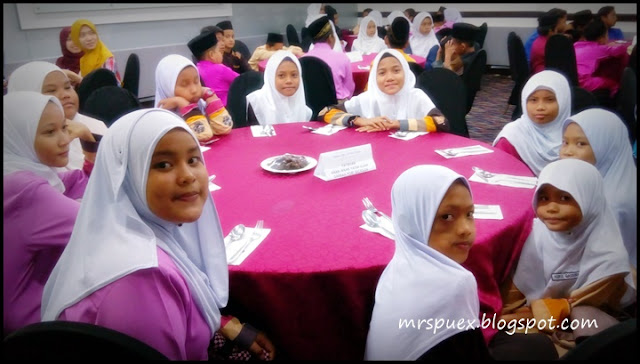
(407, 135)
(329, 129)
(354, 56)
(487, 212)
(345, 162)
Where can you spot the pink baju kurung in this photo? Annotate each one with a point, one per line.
(217, 77)
(593, 75)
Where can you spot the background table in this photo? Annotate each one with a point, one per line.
(311, 283)
(361, 76)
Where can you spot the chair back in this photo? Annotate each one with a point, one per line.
(618, 342)
(131, 78)
(243, 85)
(292, 35)
(472, 77)
(559, 55)
(67, 340)
(319, 88)
(93, 81)
(581, 99)
(482, 34)
(242, 48)
(109, 103)
(306, 39)
(431, 57)
(633, 58)
(519, 71)
(626, 100)
(416, 69)
(447, 91)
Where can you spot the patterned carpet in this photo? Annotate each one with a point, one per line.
(490, 112)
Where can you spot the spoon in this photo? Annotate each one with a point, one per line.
(236, 233)
(372, 220)
(310, 128)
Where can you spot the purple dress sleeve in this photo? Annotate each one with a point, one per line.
(153, 305)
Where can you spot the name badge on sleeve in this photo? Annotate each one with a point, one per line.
(564, 276)
(345, 162)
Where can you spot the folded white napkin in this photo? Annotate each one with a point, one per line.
(463, 151)
(262, 131)
(213, 187)
(410, 135)
(506, 180)
(360, 67)
(354, 56)
(384, 222)
(204, 148)
(238, 245)
(487, 212)
(329, 129)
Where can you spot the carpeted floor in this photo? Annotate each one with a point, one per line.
(490, 112)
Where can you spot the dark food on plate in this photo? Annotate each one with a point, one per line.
(287, 162)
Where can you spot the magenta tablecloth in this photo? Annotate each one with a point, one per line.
(361, 76)
(311, 282)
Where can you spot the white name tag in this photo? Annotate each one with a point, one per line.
(564, 276)
(345, 162)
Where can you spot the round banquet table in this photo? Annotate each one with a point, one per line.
(310, 284)
(360, 70)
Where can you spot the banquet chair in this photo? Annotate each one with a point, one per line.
(417, 69)
(292, 35)
(581, 99)
(519, 71)
(67, 340)
(559, 55)
(109, 103)
(382, 32)
(319, 88)
(446, 89)
(473, 76)
(243, 49)
(626, 100)
(618, 342)
(306, 39)
(93, 81)
(431, 57)
(481, 34)
(633, 58)
(243, 85)
(131, 77)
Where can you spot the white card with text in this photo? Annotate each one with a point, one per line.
(345, 162)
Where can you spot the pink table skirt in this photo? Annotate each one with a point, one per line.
(311, 283)
(361, 73)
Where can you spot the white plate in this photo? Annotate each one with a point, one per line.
(265, 165)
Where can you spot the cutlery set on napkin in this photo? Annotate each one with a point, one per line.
(242, 241)
(263, 130)
(463, 151)
(508, 180)
(328, 129)
(407, 135)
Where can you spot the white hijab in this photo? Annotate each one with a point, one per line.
(553, 264)
(21, 112)
(30, 77)
(452, 15)
(539, 144)
(396, 14)
(609, 140)
(366, 44)
(167, 72)
(420, 43)
(272, 107)
(409, 102)
(419, 283)
(313, 11)
(116, 234)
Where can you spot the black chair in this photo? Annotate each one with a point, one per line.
(306, 39)
(481, 34)
(382, 32)
(447, 91)
(618, 342)
(519, 71)
(319, 88)
(559, 55)
(131, 78)
(581, 99)
(243, 85)
(243, 49)
(416, 69)
(109, 103)
(93, 81)
(292, 35)
(67, 340)
(431, 57)
(633, 59)
(626, 100)
(472, 77)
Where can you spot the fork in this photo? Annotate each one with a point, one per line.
(369, 206)
(400, 134)
(254, 235)
(486, 175)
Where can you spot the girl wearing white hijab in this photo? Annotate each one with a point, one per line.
(147, 255)
(396, 14)
(425, 279)
(40, 206)
(421, 43)
(49, 79)
(535, 137)
(367, 43)
(600, 137)
(574, 255)
(390, 102)
(313, 11)
(452, 15)
(269, 105)
(377, 16)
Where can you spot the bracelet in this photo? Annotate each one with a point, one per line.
(246, 337)
(350, 121)
(91, 147)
